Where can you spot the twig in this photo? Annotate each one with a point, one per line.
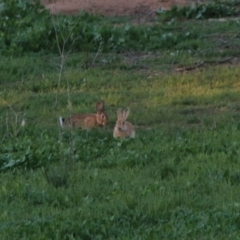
(181, 69)
(221, 61)
(14, 125)
(62, 53)
(98, 51)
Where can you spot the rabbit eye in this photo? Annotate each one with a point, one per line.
(103, 116)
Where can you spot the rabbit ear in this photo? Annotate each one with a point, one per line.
(126, 113)
(100, 106)
(119, 113)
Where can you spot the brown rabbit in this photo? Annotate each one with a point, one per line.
(123, 128)
(87, 121)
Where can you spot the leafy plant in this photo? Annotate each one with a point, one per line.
(27, 152)
(216, 9)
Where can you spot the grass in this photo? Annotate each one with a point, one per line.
(179, 179)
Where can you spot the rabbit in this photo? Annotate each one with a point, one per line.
(123, 128)
(87, 121)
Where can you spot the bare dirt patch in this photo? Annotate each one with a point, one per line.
(111, 7)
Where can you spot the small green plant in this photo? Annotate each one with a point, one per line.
(58, 175)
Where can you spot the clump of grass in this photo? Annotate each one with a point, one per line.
(58, 175)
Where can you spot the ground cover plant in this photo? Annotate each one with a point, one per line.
(178, 179)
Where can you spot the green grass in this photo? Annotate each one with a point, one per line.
(178, 179)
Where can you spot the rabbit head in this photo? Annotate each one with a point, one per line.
(101, 116)
(121, 119)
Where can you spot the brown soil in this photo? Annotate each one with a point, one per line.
(111, 7)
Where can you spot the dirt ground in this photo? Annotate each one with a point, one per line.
(111, 7)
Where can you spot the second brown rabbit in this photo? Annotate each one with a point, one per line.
(87, 121)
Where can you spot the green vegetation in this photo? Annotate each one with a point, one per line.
(214, 9)
(178, 179)
(21, 31)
